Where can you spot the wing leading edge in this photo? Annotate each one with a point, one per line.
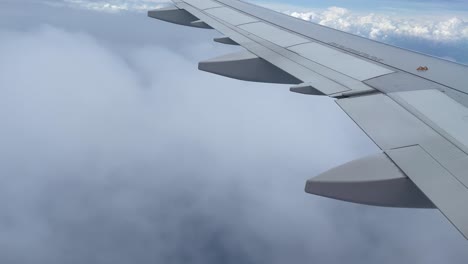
(419, 119)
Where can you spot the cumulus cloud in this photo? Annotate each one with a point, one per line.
(116, 5)
(381, 26)
(111, 158)
(115, 149)
(377, 26)
(116, 158)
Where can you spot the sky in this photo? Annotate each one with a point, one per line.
(116, 149)
(381, 5)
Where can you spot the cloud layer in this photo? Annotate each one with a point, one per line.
(381, 27)
(115, 149)
(116, 5)
(112, 158)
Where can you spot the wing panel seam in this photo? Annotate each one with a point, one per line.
(395, 97)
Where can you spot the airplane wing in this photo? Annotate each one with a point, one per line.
(413, 106)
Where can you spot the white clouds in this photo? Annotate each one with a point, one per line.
(382, 26)
(377, 26)
(97, 164)
(117, 5)
(116, 152)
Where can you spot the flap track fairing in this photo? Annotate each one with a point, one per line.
(247, 66)
(373, 180)
(174, 15)
(305, 88)
(200, 24)
(225, 40)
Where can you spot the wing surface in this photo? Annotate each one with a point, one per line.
(413, 106)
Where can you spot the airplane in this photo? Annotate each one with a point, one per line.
(413, 106)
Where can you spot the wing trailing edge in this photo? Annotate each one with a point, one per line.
(438, 184)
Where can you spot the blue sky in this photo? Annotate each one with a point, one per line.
(116, 149)
(383, 5)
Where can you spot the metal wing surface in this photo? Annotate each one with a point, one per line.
(413, 106)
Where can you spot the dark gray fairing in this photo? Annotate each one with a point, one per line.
(248, 67)
(174, 15)
(200, 24)
(373, 180)
(225, 40)
(305, 88)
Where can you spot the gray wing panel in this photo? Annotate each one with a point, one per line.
(231, 16)
(353, 62)
(444, 72)
(413, 133)
(390, 125)
(204, 4)
(352, 66)
(438, 111)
